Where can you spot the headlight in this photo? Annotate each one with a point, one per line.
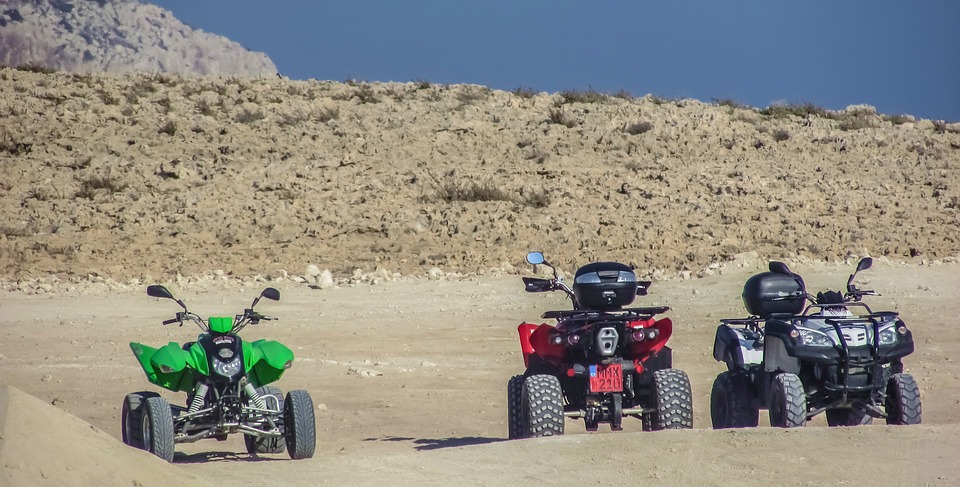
(888, 334)
(814, 338)
(227, 369)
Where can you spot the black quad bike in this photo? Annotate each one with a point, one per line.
(600, 362)
(835, 356)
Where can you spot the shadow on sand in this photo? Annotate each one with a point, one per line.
(438, 443)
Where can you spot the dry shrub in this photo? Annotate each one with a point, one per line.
(561, 117)
(638, 128)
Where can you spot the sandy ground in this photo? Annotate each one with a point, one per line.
(409, 381)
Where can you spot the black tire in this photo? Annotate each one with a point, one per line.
(788, 402)
(299, 425)
(848, 417)
(730, 402)
(255, 444)
(157, 428)
(514, 411)
(131, 415)
(541, 404)
(673, 400)
(903, 400)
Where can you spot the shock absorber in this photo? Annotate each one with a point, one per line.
(198, 395)
(254, 396)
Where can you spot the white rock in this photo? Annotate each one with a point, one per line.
(325, 280)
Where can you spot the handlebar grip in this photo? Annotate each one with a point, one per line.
(171, 321)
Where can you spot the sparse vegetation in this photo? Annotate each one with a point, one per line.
(451, 191)
(247, 116)
(91, 186)
(805, 109)
(325, 115)
(588, 96)
(731, 103)
(559, 116)
(366, 94)
(169, 128)
(470, 94)
(35, 68)
(524, 92)
(855, 122)
(781, 135)
(637, 128)
(899, 119)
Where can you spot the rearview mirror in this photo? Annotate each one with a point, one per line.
(535, 258)
(865, 263)
(271, 294)
(780, 268)
(158, 291)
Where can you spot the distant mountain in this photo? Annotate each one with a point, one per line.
(117, 36)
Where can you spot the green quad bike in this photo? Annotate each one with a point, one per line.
(226, 380)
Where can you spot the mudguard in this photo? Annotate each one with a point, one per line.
(535, 340)
(268, 361)
(169, 366)
(737, 346)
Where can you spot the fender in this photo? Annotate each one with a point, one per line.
(169, 366)
(535, 340)
(664, 327)
(269, 360)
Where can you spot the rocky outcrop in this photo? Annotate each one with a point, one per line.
(128, 175)
(87, 36)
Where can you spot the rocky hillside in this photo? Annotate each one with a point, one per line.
(134, 175)
(90, 36)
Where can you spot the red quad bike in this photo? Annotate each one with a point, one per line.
(600, 362)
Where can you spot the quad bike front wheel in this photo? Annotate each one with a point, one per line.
(788, 402)
(673, 401)
(541, 406)
(273, 398)
(131, 417)
(157, 428)
(299, 425)
(730, 402)
(514, 409)
(903, 400)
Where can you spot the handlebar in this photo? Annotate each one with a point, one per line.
(171, 321)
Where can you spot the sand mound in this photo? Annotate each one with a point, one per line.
(43, 445)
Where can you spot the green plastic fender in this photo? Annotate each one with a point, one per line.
(272, 359)
(199, 357)
(169, 366)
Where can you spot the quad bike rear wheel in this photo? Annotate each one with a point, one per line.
(903, 400)
(788, 402)
(541, 405)
(131, 417)
(514, 410)
(673, 401)
(848, 417)
(730, 404)
(157, 428)
(299, 425)
(273, 398)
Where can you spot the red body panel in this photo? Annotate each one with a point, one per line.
(535, 339)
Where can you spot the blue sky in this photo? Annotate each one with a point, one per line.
(901, 56)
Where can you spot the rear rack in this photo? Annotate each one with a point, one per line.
(591, 314)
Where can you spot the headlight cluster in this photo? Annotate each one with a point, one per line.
(889, 334)
(227, 369)
(813, 338)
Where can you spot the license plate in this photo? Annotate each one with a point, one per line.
(606, 378)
